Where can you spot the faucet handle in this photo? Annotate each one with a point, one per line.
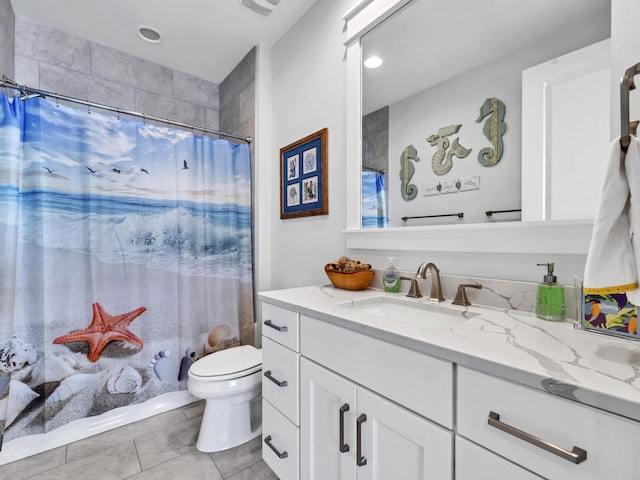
(414, 290)
(461, 294)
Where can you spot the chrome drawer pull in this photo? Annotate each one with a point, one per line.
(269, 323)
(360, 460)
(577, 455)
(267, 440)
(282, 383)
(343, 446)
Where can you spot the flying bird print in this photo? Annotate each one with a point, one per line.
(48, 169)
(145, 171)
(115, 170)
(91, 169)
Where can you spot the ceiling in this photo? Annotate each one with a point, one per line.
(428, 42)
(206, 39)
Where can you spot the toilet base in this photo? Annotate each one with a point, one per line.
(226, 425)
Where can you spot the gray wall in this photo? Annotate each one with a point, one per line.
(238, 99)
(54, 61)
(375, 139)
(7, 39)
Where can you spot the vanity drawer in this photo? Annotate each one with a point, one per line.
(280, 374)
(610, 441)
(419, 382)
(476, 463)
(280, 443)
(280, 325)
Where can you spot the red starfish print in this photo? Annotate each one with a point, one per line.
(104, 328)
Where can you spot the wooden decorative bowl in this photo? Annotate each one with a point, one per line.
(358, 280)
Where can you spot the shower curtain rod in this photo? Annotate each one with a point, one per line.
(372, 169)
(24, 90)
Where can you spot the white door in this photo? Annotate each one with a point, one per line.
(325, 399)
(398, 444)
(565, 134)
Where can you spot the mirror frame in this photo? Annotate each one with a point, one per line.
(548, 237)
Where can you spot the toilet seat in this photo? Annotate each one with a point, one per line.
(226, 364)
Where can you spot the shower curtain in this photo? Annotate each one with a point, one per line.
(374, 203)
(126, 255)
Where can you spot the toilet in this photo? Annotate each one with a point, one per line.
(230, 382)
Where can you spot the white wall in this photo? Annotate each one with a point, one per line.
(309, 93)
(308, 83)
(458, 101)
(625, 44)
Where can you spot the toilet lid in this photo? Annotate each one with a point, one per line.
(225, 362)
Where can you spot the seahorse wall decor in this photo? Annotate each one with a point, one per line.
(441, 162)
(494, 128)
(408, 191)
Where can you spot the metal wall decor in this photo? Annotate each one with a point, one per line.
(452, 185)
(442, 161)
(494, 128)
(409, 191)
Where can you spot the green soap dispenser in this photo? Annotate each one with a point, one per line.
(391, 278)
(550, 296)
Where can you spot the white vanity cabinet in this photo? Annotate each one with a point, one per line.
(280, 391)
(546, 434)
(359, 403)
(349, 432)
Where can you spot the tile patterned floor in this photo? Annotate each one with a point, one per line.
(159, 448)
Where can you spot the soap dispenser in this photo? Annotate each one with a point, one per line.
(391, 278)
(550, 296)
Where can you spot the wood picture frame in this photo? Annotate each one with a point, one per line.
(304, 189)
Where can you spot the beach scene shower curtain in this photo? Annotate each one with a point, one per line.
(126, 255)
(374, 201)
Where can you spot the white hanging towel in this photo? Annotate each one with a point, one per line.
(614, 253)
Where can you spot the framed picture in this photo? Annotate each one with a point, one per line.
(303, 177)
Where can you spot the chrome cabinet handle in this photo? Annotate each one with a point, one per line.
(282, 383)
(360, 460)
(343, 446)
(267, 440)
(577, 455)
(269, 323)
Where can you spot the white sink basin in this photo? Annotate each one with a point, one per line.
(403, 308)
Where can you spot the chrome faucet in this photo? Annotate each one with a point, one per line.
(436, 286)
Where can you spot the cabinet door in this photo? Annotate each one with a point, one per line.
(397, 443)
(322, 395)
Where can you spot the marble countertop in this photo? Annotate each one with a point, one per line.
(594, 369)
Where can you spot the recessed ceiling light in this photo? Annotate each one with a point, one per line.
(149, 34)
(373, 62)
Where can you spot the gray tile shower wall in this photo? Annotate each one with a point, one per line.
(7, 39)
(375, 139)
(237, 99)
(55, 61)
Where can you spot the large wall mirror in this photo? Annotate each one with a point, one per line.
(484, 112)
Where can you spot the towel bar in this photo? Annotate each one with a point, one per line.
(627, 128)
